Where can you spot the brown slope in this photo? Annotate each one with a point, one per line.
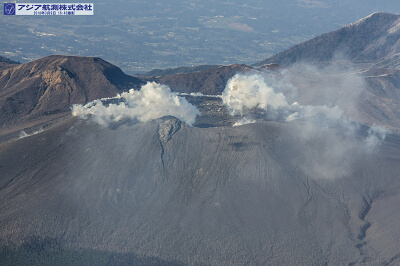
(208, 82)
(50, 85)
(4, 66)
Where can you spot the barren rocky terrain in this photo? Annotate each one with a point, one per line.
(310, 178)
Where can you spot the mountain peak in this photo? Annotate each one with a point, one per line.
(381, 16)
(50, 85)
(371, 38)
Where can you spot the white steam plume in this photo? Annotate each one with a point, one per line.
(244, 121)
(251, 91)
(376, 135)
(151, 102)
(197, 94)
(299, 111)
(23, 134)
(329, 139)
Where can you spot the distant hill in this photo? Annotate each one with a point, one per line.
(172, 71)
(6, 60)
(50, 85)
(372, 44)
(374, 37)
(210, 81)
(6, 63)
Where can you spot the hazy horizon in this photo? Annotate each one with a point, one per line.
(138, 36)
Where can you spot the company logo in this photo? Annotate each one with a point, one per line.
(40, 9)
(9, 9)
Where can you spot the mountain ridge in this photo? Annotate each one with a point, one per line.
(7, 60)
(369, 39)
(50, 85)
(208, 82)
(177, 70)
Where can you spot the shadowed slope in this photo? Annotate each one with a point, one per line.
(6, 63)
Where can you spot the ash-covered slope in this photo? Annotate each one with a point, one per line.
(372, 38)
(369, 96)
(50, 85)
(256, 194)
